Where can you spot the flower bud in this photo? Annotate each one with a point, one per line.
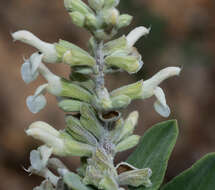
(124, 20)
(128, 143)
(136, 177)
(96, 4)
(110, 16)
(101, 34)
(77, 5)
(136, 34)
(48, 50)
(111, 3)
(77, 18)
(91, 21)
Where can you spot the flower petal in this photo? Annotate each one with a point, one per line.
(26, 72)
(136, 34)
(35, 160)
(45, 153)
(36, 103)
(160, 105)
(35, 60)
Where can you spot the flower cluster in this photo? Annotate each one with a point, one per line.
(95, 129)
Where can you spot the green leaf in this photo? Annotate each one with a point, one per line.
(154, 151)
(74, 182)
(199, 177)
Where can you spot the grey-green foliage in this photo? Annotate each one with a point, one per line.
(95, 128)
(154, 150)
(199, 177)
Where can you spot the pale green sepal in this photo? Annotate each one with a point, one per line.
(131, 64)
(120, 102)
(134, 91)
(74, 91)
(124, 20)
(75, 57)
(75, 148)
(128, 143)
(101, 35)
(77, 18)
(77, 5)
(116, 131)
(69, 105)
(92, 176)
(98, 167)
(129, 125)
(96, 4)
(136, 177)
(88, 85)
(83, 70)
(74, 181)
(108, 183)
(114, 45)
(63, 46)
(75, 128)
(90, 122)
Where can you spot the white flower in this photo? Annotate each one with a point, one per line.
(48, 50)
(150, 88)
(136, 34)
(39, 158)
(62, 144)
(37, 102)
(47, 134)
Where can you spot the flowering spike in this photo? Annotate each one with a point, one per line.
(95, 129)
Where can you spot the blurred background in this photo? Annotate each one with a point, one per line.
(183, 34)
